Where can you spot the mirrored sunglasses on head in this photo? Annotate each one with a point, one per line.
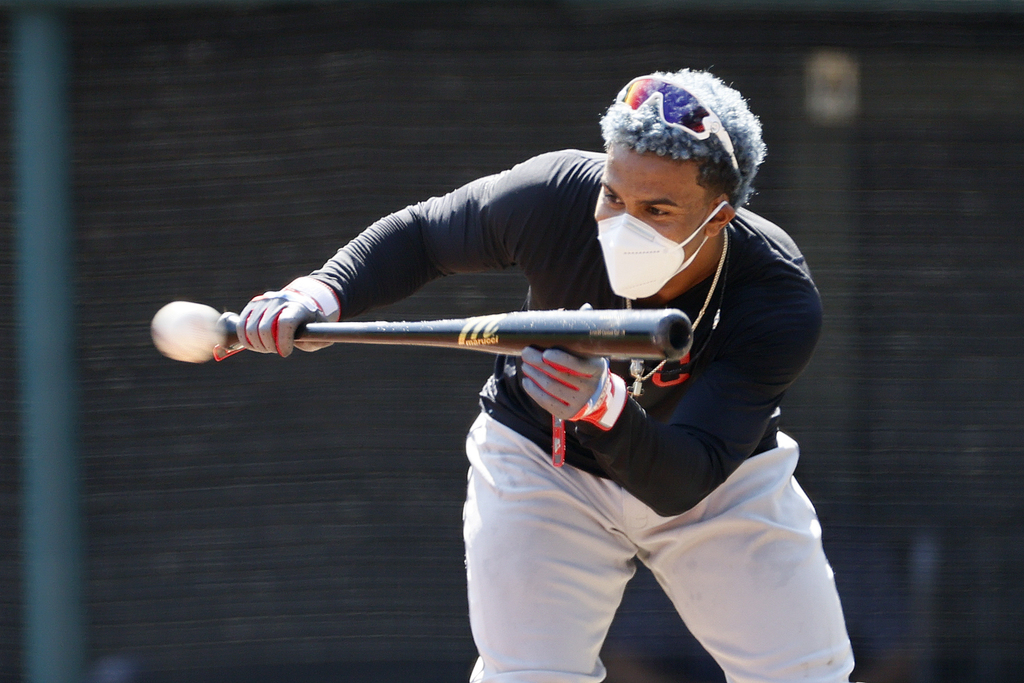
(678, 108)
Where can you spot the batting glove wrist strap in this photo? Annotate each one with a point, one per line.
(323, 297)
(606, 405)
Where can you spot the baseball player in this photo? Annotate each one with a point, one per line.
(680, 465)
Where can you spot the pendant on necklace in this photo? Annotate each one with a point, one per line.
(636, 369)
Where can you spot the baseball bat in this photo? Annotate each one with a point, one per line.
(652, 334)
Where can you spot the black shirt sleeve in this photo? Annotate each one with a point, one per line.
(507, 219)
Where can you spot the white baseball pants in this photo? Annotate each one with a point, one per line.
(549, 552)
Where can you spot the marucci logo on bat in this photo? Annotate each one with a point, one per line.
(482, 331)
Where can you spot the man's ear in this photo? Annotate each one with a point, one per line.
(722, 218)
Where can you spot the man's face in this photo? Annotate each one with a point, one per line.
(660, 191)
(664, 194)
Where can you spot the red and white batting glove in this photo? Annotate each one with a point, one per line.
(269, 322)
(573, 388)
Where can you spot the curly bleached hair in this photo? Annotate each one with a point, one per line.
(643, 130)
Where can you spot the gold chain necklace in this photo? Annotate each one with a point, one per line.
(636, 366)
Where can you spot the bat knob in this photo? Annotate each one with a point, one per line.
(227, 328)
(227, 325)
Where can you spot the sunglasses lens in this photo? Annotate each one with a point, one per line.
(679, 106)
(639, 91)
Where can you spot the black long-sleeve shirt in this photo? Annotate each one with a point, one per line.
(697, 420)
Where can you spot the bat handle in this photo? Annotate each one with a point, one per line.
(227, 327)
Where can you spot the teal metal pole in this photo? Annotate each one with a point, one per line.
(54, 623)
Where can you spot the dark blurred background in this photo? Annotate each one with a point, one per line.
(264, 520)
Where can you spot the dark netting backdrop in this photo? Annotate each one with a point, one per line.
(278, 520)
(10, 581)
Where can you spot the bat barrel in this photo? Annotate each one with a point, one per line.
(618, 334)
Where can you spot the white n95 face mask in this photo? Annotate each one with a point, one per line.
(639, 259)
